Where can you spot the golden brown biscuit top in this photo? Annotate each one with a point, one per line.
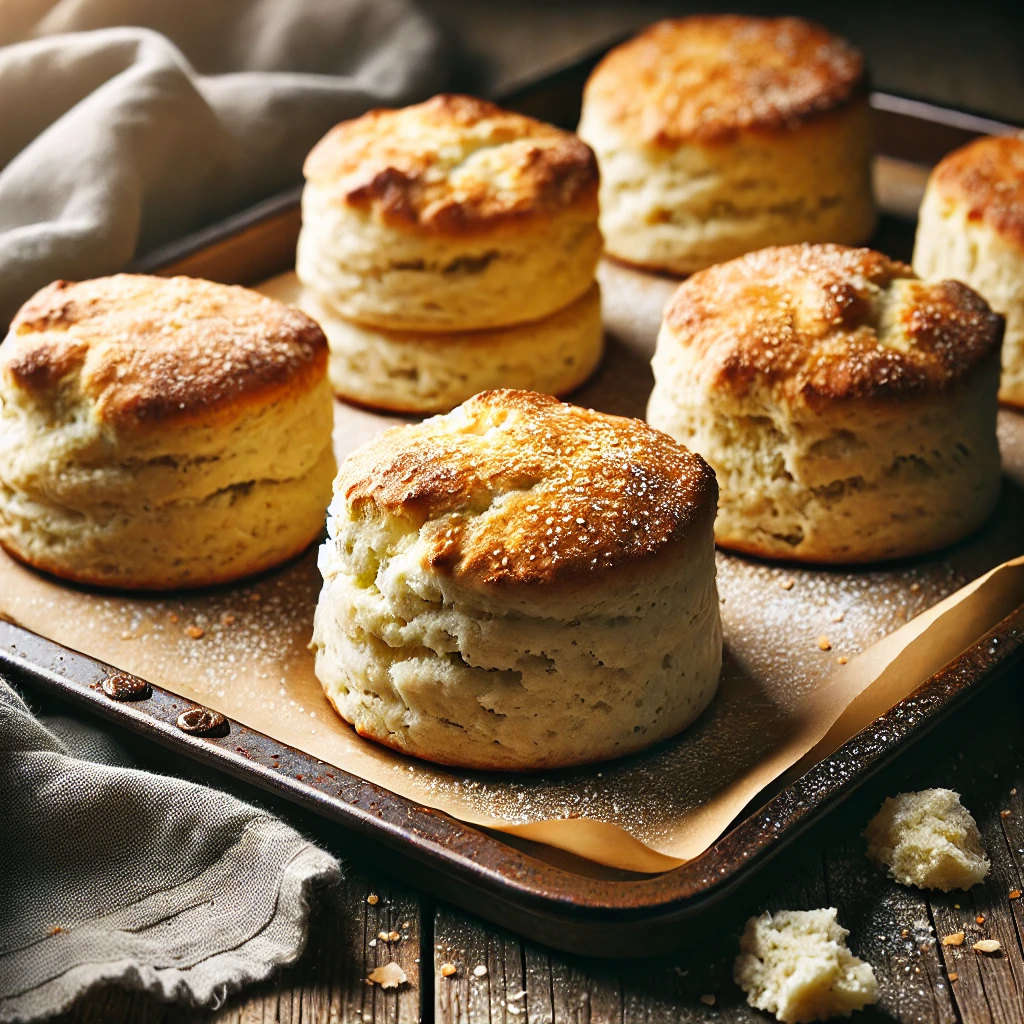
(824, 323)
(453, 165)
(988, 176)
(516, 488)
(708, 77)
(149, 350)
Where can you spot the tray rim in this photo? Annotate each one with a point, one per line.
(634, 916)
(653, 904)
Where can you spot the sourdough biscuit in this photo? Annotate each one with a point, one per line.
(520, 584)
(720, 134)
(410, 372)
(161, 432)
(847, 407)
(451, 215)
(971, 229)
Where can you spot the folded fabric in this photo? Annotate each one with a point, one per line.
(116, 139)
(111, 873)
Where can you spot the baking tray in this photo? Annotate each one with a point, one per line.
(548, 896)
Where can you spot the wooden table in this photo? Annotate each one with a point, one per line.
(979, 753)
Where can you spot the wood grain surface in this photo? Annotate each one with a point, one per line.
(502, 979)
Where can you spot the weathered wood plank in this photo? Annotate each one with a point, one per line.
(987, 987)
(692, 986)
(890, 927)
(489, 982)
(329, 982)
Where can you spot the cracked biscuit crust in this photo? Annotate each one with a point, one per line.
(144, 351)
(986, 178)
(516, 488)
(825, 323)
(454, 165)
(707, 78)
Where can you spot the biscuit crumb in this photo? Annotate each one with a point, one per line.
(915, 588)
(196, 632)
(57, 930)
(928, 839)
(479, 971)
(839, 616)
(388, 976)
(447, 970)
(787, 583)
(1014, 894)
(1004, 814)
(952, 975)
(987, 946)
(954, 939)
(393, 936)
(383, 936)
(842, 659)
(373, 899)
(980, 919)
(796, 965)
(824, 643)
(172, 617)
(227, 619)
(708, 1000)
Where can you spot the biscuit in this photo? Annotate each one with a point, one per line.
(161, 432)
(720, 134)
(410, 372)
(451, 215)
(971, 229)
(848, 408)
(520, 584)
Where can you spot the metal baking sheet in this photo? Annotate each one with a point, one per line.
(566, 904)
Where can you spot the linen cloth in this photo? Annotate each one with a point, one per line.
(114, 873)
(125, 124)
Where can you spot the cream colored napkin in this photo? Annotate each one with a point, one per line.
(110, 873)
(128, 123)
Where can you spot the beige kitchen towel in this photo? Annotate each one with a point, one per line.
(114, 874)
(128, 123)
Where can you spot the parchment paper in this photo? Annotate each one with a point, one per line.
(782, 697)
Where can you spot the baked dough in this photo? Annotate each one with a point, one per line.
(848, 408)
(720, 134)
(520, 584)
(162, 432)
